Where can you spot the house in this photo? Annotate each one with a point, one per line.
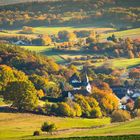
(125, 94)
(79, 86)
(20, 42)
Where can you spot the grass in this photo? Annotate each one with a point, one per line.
(17, 125)
(55, 30)
(126, 128)
(46, 50)
(122, 34)
(122, 62)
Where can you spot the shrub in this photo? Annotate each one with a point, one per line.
(120, 116)
(36, 133)
(48, 127)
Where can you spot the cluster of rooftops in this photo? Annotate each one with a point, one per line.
(83, 86)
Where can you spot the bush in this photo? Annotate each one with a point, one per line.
(120, 116)
(36, 133)
(47, 127)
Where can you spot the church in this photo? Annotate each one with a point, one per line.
(80, 86)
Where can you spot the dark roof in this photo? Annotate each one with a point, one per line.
(83, 92)
(120, 95)
(79, 84)
(74, 77)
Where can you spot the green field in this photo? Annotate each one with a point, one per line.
(47, 51)
(16, 125)
(21, 126)
(122, 62)
(55, 30)
(126, 33)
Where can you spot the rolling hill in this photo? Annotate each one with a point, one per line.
(111, 13)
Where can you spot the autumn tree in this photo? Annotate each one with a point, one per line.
(27, 30)
(83, 104)
(65, 110)
(108, 102)
(131, 54)
(71, 37)
(7, 74)
(134, 73)
(46, 40)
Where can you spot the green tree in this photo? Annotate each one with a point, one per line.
(22, 94)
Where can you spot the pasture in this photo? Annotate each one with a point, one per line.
(18, 126)
(122, 62)
(133, 33)
(55, 30)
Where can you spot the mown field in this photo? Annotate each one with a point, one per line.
(122, 62)
(133, 33)
(18, 126)
(55, 30)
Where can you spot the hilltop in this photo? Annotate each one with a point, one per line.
(111, 13)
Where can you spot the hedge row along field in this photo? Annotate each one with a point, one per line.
(128, 137)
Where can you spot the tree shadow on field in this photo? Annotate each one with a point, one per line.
(7, 109)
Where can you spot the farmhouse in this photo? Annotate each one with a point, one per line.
(20, 42)
(126, 94)
(79, 86)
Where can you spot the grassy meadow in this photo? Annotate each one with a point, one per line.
(122, 62)
(105, 32)
(18, 126)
